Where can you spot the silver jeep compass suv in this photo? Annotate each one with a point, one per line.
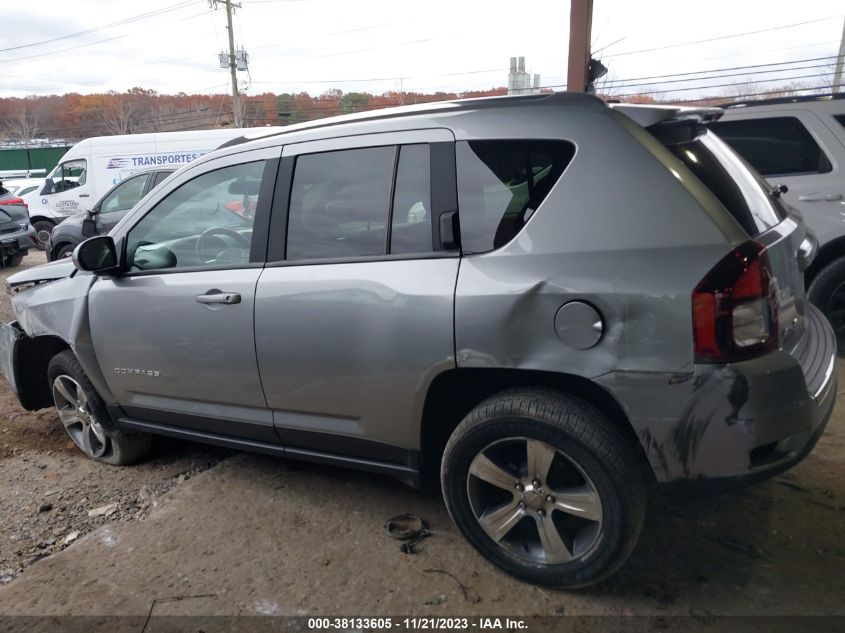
(549, 301)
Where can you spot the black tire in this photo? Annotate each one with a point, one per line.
(586, 442)
(63, 251)
(15, 259)
(827, 292)
(117, 446)
(41, 227)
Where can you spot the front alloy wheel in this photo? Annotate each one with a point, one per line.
(85, 416)
(78, 419)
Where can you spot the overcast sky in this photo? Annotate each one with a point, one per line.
(376, 46)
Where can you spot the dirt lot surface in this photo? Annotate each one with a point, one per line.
(47, 491)
(255, 535)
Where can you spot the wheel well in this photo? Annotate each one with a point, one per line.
(32, 357)
(40, 218)
(57, 247)
(834, 249)
(454, 393)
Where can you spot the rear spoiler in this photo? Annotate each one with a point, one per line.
(648, 115)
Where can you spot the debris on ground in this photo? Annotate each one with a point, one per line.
(409, 528)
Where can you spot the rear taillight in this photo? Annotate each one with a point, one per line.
(734, 308)
(17, 201)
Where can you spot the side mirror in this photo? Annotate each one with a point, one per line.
(97, 255)
(89, 227)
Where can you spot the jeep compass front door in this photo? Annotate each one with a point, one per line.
(174, 335)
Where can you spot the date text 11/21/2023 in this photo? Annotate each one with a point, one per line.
(417, 623)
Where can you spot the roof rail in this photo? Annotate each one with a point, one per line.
(548, 98)
(779, 100)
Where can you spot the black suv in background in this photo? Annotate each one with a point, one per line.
(104, 215)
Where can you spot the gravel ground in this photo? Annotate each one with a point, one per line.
(50, 496)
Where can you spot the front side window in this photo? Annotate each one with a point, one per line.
(774, 146)
(68, 175)
(339, 204)
(125, 195)
(501, 184)
(205, 222)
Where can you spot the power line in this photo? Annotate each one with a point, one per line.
(136, 18)
(731, 68)
(78, 46)
(725, 37)
(654, 92)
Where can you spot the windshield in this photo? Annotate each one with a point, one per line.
(737, 186)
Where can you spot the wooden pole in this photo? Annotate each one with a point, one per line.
(580, 24)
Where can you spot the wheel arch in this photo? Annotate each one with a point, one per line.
(33, 356)
(831, 251)
(41, 218)
(454, 393)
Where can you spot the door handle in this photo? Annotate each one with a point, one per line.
(84, 195)
(820, 197)
(218, 296)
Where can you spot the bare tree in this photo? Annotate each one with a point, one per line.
(118, 119)
(22, 125)
(742, 89)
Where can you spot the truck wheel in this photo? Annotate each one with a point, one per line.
(827, 292)
(544, 486)
(15, 259)
(85, 418)
(43, 229)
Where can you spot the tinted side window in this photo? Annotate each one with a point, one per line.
(125, 195)
(339, 204)
(840, 118)
(159, 177)
(501, 184)
(778, 145)
(206, 221)
(410, 226)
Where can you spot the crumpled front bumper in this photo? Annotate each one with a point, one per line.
(10, 336)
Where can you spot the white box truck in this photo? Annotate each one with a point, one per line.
(91, 167)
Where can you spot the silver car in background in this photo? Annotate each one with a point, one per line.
(547, 302)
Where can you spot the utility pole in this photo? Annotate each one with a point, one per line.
(236, 98)
(837, 75)
(580, 24)
(233, 70)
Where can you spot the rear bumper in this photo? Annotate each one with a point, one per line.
(19, 241)
(734, 424)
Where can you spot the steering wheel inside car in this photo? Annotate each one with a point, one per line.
(203, 242)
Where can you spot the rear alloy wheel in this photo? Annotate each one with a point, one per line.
(536, 493)
(43, 230)
(544, 486)
(84, 415)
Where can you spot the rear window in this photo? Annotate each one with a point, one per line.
(742, 192)
(775, 146)
(501, 184)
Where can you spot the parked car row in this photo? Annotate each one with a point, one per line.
(543, 302)
(16, 234)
